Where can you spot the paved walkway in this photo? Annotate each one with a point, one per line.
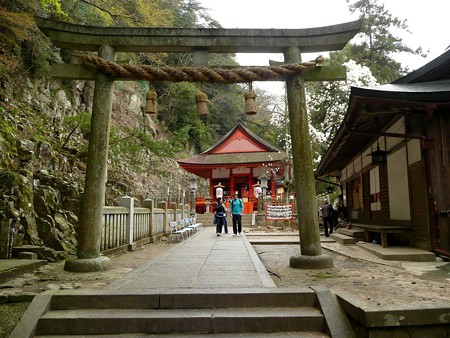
(203, 261)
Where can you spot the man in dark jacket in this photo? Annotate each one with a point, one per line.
(327, 216)
(219, 216)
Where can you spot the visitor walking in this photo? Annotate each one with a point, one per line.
(327, 216)
(236, 209)
(225, 223)
(219, 215)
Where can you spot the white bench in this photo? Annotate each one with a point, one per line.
(190, 224)
(182, 225)
(174, 230)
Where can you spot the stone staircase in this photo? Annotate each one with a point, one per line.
(348, 236)
(207, 220)
(300, 312)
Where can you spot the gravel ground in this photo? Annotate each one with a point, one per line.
(370, 280)
(375, 282)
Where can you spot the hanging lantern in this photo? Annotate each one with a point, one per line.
(379, 156)
(151, 106)
(202, 100)
(250, 102)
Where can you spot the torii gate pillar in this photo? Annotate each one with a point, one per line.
(310, 257)
(91, 211)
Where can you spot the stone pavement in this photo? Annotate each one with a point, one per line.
(203, 261)
(206, 261)
(14, 268)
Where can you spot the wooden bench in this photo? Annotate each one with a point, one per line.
(383, 230)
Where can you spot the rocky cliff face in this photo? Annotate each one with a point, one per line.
(42, 161)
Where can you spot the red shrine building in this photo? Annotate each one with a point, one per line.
(235, 164)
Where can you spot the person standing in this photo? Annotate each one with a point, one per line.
(236, 209)
(220, 212)
(225, 223)
(327, 216)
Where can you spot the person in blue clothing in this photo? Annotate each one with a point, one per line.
(236, 209)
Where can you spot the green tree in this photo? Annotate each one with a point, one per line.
(190, 14)
(178, 113)
(271, 123)
(376, 46)
(327, 103)
(370, 60)
(23, 47)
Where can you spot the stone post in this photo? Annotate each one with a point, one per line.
(180, 206)
(193, 202)
(173, 206)
(128, 202)
(310, 248)
(163, 205)
(208, 205)
(149, 204)
(91, 211)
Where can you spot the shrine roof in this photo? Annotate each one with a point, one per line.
(240, 140)
(238, 147)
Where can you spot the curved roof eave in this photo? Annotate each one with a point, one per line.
(383, 103)
(258, 139)
(437, 69)
(232, 159)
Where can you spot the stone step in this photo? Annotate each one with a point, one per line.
(183, 299)
(164, 321)
(353, 232)
(343, 239)
(193, 311)
(207, 335)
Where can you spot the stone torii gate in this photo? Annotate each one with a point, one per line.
(107, 41)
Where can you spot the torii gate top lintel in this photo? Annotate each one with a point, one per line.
(185, 40)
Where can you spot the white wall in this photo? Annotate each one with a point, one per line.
(398, 185)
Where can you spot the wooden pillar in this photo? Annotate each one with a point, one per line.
(231, 183)
(250, 185)
(91, 211)
(303, 172)
(273, 184)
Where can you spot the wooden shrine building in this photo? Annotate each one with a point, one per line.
(235, 164)
(407, 122)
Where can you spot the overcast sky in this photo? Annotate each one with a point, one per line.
(428, 22)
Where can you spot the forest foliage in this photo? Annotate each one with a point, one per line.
(370, 58)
